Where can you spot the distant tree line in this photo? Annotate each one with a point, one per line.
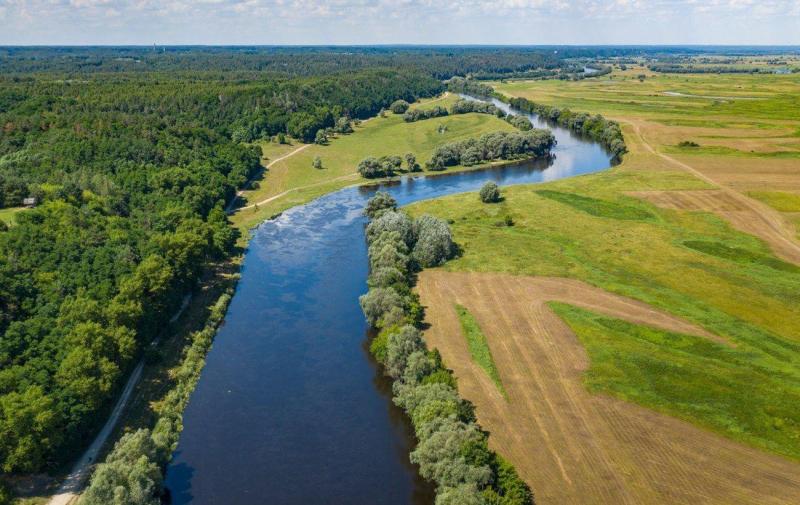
(492, 147)
(596, 127)
(452, 451)
(469, 87)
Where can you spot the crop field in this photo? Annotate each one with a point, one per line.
(740, 132)
(293, 180)
(705, 412)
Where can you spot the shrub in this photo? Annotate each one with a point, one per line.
(378, 203)
(383, 277)
(400, 346)
(378, 302)
(411, 163)
(434, 243)
(519, 122)
(317, 163)
(688, 143)
(421, 114)
(392, 221)
(443, 456)
(399, 106)
(490, 193)
(465, 494)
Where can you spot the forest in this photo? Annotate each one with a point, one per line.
(131, 173)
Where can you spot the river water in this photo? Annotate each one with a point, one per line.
(290, 408)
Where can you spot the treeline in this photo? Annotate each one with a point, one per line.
(469, 87)
(462, 106)
(452, 451)
(596, 127)
(132, 473)
(132, 173)
(717, 69)
(492, 147)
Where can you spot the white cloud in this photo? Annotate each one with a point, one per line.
(399, 21)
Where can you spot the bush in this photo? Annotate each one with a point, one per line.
(434, 243)
(399, 106)
(379, 301)
(519, 122)
(377, 204)
(317, 163)
(688, 143)
(399, 347)
(392, 221)
(130, 474)
(490, 193)
(421, 114)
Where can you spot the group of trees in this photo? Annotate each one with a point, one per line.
(418, 114)
(452, 451)
(492, 147)
(469, 87)
(387, 166)
(132, 472)
(596, 127)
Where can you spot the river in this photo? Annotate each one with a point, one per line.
(290, 408)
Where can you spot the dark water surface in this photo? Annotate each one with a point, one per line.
(290, 408)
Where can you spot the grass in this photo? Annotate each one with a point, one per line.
(479, 347)
(7, 214)
(733, 290)
(778, 200)
(728, 390)
(389, 135)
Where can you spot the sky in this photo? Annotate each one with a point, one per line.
(308, 22)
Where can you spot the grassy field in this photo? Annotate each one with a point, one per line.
(293, 180)
(478, 347)
(667, 228)
(730, 284)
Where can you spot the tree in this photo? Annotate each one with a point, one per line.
(317, 163)
(377, 204)
(400, 346)
(411, 163)
(378, 302)
(434, 244)
(399, 106)
(321, 137)
(490, 193)
(392, 221)
(281, 138)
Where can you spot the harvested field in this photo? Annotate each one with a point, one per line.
(569, 445)
(731, 207)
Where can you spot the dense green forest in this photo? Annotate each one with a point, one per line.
(132, 172)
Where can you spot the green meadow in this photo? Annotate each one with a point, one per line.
(294, 180)
(691, 264)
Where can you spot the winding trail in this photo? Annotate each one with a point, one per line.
(70, 489)
(754, 217)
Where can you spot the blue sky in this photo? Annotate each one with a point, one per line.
(399, 21)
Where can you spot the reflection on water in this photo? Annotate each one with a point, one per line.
(290, 408)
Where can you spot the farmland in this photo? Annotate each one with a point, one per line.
(704, 233)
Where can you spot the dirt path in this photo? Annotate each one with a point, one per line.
(570, 446)
(750, 216)
(70, 489)
(230, 209)
(284, 193)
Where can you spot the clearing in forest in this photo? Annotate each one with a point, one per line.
(570, 445)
